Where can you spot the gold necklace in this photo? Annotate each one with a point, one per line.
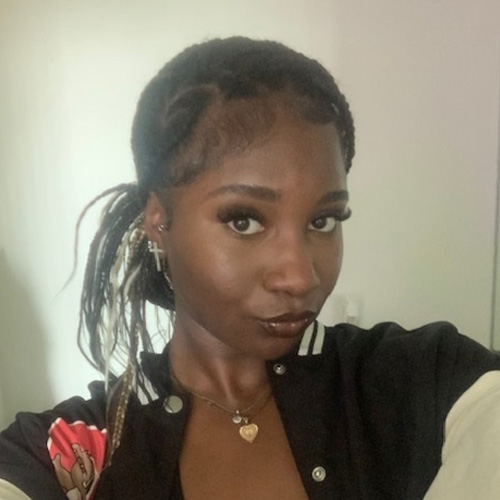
(248, 430)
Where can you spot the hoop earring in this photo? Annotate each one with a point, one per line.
(155, 249)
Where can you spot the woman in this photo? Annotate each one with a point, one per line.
(242, 149)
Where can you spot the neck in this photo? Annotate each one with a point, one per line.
(205, 366)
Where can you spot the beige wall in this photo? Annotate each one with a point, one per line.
(423, 80)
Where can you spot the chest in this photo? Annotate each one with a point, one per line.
(347, 442)
(216, 462)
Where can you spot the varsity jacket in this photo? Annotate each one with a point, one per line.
(364, 412)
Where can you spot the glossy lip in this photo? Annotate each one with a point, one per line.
(289, 324)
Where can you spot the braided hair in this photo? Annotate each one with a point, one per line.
(192, 112)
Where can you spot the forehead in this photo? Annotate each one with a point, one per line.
(292, 149)
(232, 127)
(294, 158)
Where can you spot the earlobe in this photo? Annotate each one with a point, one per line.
(155, 218)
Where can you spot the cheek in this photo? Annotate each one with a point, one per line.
(207, 266)
(330, 261)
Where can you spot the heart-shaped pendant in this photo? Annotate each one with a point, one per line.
(249, 432)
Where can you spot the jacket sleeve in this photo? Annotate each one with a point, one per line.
(57, 454)
(411, 382)
(10, 492)
(471, 451)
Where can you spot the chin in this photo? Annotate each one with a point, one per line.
(277, 348)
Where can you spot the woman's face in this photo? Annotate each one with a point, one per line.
(254, 247)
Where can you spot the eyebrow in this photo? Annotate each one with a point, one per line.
(332, 196)
(271, 195)
(258, 192)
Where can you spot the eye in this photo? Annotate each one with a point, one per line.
(327, 223)
(242, 220)
(324, 224)
(245, 225)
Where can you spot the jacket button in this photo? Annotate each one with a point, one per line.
(279, 369)
(318, 474)
(173, 404)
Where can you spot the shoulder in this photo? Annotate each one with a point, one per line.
(72, 421)
(435, 342)
(432, 355)
(390, 336)
(41, 451)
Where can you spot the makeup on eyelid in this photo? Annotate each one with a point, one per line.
(264, 245)
(234, 214)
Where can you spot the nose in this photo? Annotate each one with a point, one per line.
(291, 268)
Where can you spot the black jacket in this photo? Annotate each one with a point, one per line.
(364, 412)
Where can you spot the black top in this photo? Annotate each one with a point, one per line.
(364, 412)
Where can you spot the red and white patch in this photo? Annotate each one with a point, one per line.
(77, 451)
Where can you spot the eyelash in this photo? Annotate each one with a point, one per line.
(232, 214)
(335, 216)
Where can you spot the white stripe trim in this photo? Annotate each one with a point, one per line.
(306, 340)
(143, 396)
(10, 492)
(320, 339)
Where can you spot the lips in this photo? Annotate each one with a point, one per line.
(289, 324)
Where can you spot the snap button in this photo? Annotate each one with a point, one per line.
(318, 474)
(279, 369)
(173, 404)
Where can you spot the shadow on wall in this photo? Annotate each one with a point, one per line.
(24, 383)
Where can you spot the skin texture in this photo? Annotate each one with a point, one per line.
(251, 239)
(224, 281)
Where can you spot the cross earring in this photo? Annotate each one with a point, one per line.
(154, 248)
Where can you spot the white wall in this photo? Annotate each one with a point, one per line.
(423, 79)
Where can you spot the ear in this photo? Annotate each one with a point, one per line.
(154, 217)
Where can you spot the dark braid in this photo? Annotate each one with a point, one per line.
(121, 232)
(225, 69)
(171, 146)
